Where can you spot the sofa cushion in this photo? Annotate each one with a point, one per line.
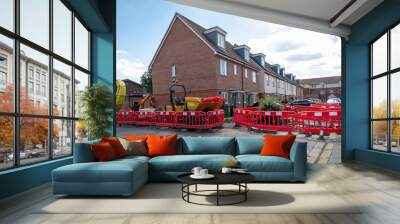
(103, 152)
(249, 144)
(208, 145)
(277, 145)
(257, 163)
(112, 171)
(161, 145)
(116, 145)
(185, 163)
(83, 152)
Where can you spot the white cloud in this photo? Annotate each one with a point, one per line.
(130, 68)
(122, 52)
(306, 54)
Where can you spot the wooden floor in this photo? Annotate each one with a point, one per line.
(378, 189)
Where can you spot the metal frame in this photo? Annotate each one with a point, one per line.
(242, 191)
(16, 114)
(388, 74)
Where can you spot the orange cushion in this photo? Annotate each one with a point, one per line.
(116, 145)
(277, 145)
(161, 145)
(136, 137)
(103, 152)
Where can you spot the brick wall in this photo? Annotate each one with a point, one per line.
(195, 63)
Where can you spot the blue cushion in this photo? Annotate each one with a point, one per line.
(257, 163)
(185, 163)
(83, 153)
(208, 145)
(112, 171)
(249, 144)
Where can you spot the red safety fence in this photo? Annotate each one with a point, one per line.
(186, 119)
(315, 107)
(305, 122)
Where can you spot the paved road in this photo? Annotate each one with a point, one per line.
(326, 151)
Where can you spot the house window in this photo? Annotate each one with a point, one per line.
(254, 77)
(3, 78)
(245, 72)
(246, 55)
(173, 71)
(385, 97)
(222, 67)
(30, 72)
(30, 87)
(235, 69)
(221, 40)
(3, 61)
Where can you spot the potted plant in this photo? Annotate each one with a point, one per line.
(96, 102)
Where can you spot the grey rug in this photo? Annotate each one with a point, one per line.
(166, 198)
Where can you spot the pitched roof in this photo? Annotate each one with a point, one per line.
(317, 81)
(228, 51)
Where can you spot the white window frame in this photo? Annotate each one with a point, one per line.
(245, 73)
(254, 77)
(220, 40)
(223, 67)
(235, 69)
(173, 71)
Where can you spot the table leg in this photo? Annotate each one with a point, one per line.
(217, 194)
(195, 188)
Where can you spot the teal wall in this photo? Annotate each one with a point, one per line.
(355, 54)
(100, 17)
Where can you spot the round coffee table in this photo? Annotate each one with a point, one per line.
(238, 179)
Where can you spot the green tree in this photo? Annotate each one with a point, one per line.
(97, 103)
(146, 81)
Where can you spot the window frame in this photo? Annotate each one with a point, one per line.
(388, 74)
(16, 114)
(223, 67)
(254, 77)
(173, 71)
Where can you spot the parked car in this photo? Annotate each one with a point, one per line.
(315, 100)
(334, 100)
(302, 103)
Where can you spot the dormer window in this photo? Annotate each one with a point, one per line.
(263, 63)
(243, 51)
(246, 55)
(216, 35)
(221, 40)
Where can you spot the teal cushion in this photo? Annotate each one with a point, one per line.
(185, 163)
(257, 163)
(208, 145)
(112, 171)
(83, 152)
(249, 144)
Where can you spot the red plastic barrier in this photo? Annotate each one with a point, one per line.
(189, 119)
(305, 122)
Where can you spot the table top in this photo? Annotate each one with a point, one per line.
(220, 178)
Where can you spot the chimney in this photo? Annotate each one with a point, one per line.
(243, 51)
(259, 58)
(216, 35)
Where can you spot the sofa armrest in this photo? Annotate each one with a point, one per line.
(83, 152)
(298, 155)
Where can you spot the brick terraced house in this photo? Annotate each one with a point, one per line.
(208, 65)
(322, 88)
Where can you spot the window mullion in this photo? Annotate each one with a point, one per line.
(16, 69)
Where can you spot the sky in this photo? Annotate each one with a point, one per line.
(142, 24)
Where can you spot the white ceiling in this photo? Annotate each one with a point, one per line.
(315, 15)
